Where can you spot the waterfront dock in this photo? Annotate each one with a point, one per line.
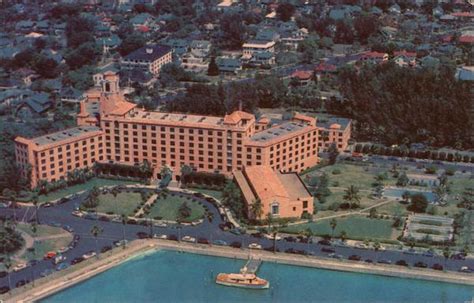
(252, 266)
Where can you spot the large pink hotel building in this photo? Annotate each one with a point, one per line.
(112, 130)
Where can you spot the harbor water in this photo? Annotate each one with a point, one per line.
(167, 276)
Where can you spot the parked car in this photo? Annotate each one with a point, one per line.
(290, 239)
(46, 272)
(47, 204)
(328, 250)
(161, 225)
(68, 228)
(335, 256)
(21, 282)
(384, 261)
(458, 256)
(77, 260)
(3, 274)
(50, 255)
(4, 290)
(142, 235)
(219, 242)
(59, 259)
(465, 269)
(89, 255)
(188, 239)
(401, 263)
(324, 242)
(106, 248)
(236, 244)
(270, 237)
(62, 266)
(19, 266)
(255, 246)
(203, 241)
(120, 243)
(77, 213)
(354, 258)
(437, 266)
(420, 264)
(158, 236)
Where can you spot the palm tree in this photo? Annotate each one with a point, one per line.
(34, 200)
(309, 236)
(269, 220)
(376, 245)
(351, 195)
(8, 265)
(124, 222)
(256, 208)
(446, 254)
(34, 229)
(96, 231)
(343, 235)
(333, 224)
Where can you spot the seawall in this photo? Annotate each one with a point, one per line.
(50, 285)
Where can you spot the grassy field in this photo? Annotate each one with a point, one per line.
(44, 246)
(80, 187)
(213, 193)
(356, 227)
(167, 208)
(41, 230)
(124, 204)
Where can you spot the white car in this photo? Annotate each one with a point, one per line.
(161, 225)
(255, 246)
(59, 259)
(77, 213)
(268, 236)
(188, 239)
(89, 255)
(158, 236)
(19, 266)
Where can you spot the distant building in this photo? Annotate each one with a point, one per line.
(229, 65)
(283, 195)
(254, 49)
(374, 57)
(150, 58)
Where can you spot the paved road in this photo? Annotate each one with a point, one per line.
(112, 231)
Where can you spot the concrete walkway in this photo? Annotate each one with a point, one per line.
(148, 202)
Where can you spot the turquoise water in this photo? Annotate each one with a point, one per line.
(180, 277)
(398, 193)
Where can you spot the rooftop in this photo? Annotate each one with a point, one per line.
(64, 135)
(326, 123)
(278, 131)
(149, 53)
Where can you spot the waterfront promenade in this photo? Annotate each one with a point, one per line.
(49, 285)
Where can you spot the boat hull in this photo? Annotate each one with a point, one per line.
(248, 286)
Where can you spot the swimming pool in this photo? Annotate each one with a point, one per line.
(397, 193)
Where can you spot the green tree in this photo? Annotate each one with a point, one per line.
(402, 180)
(92, 200)
(351, 196)
(124, 222)
(256, 208)
(333, 224)
(285, 11)
(34, 201)
(131, 43)
(343, 235)
(333, 153)
(96, 231)
(419, 203)
(213, 69)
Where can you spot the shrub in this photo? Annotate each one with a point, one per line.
(430, 222)
(428, 231)
(336, 171)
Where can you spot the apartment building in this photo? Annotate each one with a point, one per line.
(119, 132)
(250, 48)
(149, 58)
(334, 130)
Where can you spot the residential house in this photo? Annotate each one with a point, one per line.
(404, 58)
(301, 77)
(179, 46)
(71, 95)
(465, 73)
(374, 57)
(229, 65)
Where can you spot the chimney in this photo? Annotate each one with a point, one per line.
(149, 50)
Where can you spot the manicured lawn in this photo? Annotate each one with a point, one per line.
(41, 230)
(168, 208)
(356, 227)
(213, 193)
(43, 246)
(124, 204)
(80, 187)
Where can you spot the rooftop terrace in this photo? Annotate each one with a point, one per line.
(64, 135)
(278, 131)
(183, 118)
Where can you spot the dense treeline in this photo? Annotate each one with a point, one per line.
(264, 91)
(394, 105)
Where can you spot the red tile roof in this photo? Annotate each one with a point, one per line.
(404, 53)
(302, 74)
(466, 39)
(324, 67)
